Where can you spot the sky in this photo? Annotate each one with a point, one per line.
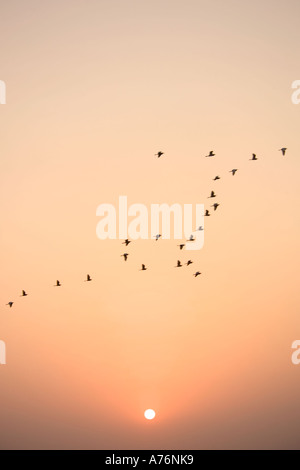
(93, 90)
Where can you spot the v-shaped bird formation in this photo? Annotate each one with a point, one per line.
(179, 264)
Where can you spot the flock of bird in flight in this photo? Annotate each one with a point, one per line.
(158, 236)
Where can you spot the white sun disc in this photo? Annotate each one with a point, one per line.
(149, 414)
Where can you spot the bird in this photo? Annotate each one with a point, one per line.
(159, 154)
(181, 246)
(211, 154)
(143, 268)
(197, 274)
(233, 171)
(58, 284)
(215, 206)
(283, 150)
(216, 178)
(191, 239)
(189, 262)
(200, 229)
(125, 255)
(126, 242)
(10, 304)
(157, 237)
(212, 194)
(88, 278)
(254, 157)
(179, 265)
(23, 294)
(207, 214)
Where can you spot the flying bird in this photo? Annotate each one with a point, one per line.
(143, 268)
(197, 274)
(125, 255)
(159, 154)
(179, 265)
(211, 154)
(126, 242)
(23, 294)
(283, 150)
(215, 206)
(191, 239)
(200, 229)
(212, 194)
(157, 237)
(10, 304)
(233, 171)
(216, 178)
(58, 284)
(88, 278)
(254, 157)
(181, 246)
(189, 262)
(207, 214)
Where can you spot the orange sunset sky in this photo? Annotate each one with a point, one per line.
(93, 90)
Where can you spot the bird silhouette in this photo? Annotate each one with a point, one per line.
(197, 274)
(283, 150)
(125, 255)
(23, 294)
(212, 194)
(215, 206)
(181, 246)
(216, 178)
(179, 265)
(189, 262)
(126, 242)
(10, 304)
(157, 237)
(143, 268)
(88, 278)
(207, 214)
(200, 229)
(233, 171)
(58, 284)
(254, 157)
(159, 154)
(211, 154)
(191, 239)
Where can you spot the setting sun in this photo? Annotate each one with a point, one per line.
(149, 414)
